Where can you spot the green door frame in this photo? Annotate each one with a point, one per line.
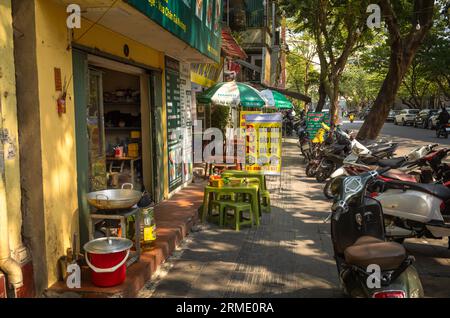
(80, 82)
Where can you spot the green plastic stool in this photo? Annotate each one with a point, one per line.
(239, 209)
(220, 205)
(265, 204)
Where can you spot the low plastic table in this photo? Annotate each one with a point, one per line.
(250, 189)
(246, 174)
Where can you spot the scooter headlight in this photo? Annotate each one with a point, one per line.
(336, 185)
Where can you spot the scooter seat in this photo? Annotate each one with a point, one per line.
(338, 147)
(369, 250)
(367, 240)
(395, 162)
(438, 190)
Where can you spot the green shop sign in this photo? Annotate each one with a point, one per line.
(196, 22)
(314, 122)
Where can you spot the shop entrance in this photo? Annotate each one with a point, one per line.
(114, 129)
(118, 129)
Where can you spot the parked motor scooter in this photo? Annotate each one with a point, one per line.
(333, 157)
(443, 131)
(332, 160)
(368, 266)
(316, 145)
(415, 210)
(304, 142)
(356, 164)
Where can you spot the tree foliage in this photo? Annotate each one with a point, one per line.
(339, 29)
(359, 87)
(408, 22)
(428, 77)
(302, 75)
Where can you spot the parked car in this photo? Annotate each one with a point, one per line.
(432, 121)
(405, 117)
(392, 114)
(423, 116)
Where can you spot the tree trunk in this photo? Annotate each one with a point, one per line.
(386, 97)
(403, 50)
(334, 109)
(322, 97)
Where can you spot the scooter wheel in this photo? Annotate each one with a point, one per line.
(327, 189)
(310, 171)
(321, 176)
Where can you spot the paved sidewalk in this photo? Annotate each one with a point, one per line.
(289, 255)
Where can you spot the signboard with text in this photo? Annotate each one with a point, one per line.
(174, 123)
(245, 113)
(314, 122)
(264, 143)
(186, 122)
(196, 22)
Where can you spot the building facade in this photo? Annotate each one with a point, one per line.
(259, 27)
(119, 81)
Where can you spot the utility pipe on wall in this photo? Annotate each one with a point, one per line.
(8, 265)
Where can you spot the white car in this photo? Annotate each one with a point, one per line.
(405, 117)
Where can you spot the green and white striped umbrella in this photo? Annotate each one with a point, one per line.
(232, 94)
(276, 99)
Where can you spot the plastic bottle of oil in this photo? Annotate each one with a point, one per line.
(148, 228)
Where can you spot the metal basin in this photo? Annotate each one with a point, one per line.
(115, 198)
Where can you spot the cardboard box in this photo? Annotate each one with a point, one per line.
(133, 150)
(135, 134)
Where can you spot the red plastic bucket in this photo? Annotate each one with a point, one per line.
(107, 258)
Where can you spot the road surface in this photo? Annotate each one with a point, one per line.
(407, 135)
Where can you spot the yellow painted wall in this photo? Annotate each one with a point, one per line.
(110, 42)
(9, 117)
(58, 133)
